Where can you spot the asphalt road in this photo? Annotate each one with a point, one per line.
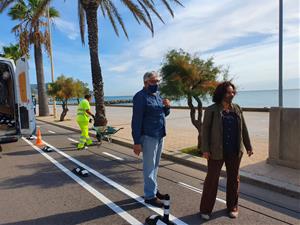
(39, 188)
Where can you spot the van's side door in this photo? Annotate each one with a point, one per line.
(24, 102)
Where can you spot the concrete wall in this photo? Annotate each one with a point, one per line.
(284, 137)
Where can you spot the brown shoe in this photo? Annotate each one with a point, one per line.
(154, 202)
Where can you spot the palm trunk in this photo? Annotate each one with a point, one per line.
(92, 24)
(42, 95)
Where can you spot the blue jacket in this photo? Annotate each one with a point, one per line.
(148, 117)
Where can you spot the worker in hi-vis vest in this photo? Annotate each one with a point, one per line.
(83, 113)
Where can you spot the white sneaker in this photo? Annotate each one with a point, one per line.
(205, 216)
(233, 214)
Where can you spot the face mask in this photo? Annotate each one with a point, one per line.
(153, 88)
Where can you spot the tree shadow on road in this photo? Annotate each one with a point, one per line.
(83, 216)
(21, 153)
(46, 175)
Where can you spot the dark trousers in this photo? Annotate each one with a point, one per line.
(211, 184)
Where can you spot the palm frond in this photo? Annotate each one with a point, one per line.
(81, 16)
(17, 28)
(102, 10)
(53, 13)
(39, 11)
(4, 4)
(137, 12)
(108, 10)
(178, 2)
(150, 5)
(18, 11)
(165, 2)
(148, 15)
(119, 18)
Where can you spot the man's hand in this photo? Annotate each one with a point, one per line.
(166, 103)
(206, 155)
(249, 152)
(137, 149)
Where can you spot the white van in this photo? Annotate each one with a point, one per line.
(17, 116)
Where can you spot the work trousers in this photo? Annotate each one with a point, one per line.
(211, 184)
(84, 137)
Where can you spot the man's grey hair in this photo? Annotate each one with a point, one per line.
(148, 75)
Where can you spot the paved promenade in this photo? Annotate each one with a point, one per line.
(181, 134)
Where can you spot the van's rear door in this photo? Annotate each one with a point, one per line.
(24, 102)
(7, 137)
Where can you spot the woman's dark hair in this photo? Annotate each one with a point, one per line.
(221, 91)
(87, 96)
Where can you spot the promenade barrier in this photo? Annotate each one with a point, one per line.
(284, 137)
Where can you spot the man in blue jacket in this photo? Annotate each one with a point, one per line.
(148, 130)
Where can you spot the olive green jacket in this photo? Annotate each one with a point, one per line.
(212, 135)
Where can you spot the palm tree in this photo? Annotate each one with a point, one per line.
(32, 30)
(87, 11)
(12, 52)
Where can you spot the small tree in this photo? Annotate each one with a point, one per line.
(189, 77)
(62, 89)
(81, 89)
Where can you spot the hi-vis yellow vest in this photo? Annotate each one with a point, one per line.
(81, 110)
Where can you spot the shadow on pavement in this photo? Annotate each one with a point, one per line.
(80, 216)
(196, 218)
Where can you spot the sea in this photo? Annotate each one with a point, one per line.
(257, 99)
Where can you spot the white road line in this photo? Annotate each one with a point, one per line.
(198, 190)
(38, 126)
(117, 186)
(126, 216)
(50, 131)
(113, 156)
(70, 139)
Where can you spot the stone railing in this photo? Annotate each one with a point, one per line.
(284, 137)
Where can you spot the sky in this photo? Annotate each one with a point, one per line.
(239, 34)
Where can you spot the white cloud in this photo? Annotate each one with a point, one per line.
(204, 25)
(68, 28)
(120, 68)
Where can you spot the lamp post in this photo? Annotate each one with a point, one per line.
(51, 59)
(280, 98)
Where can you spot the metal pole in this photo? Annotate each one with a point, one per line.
(51, 59)
(280, 98)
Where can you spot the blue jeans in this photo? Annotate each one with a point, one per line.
(152, 149)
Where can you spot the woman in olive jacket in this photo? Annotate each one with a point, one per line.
(224, 134)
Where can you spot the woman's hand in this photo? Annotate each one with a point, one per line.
(249, 152)
(206, 155)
